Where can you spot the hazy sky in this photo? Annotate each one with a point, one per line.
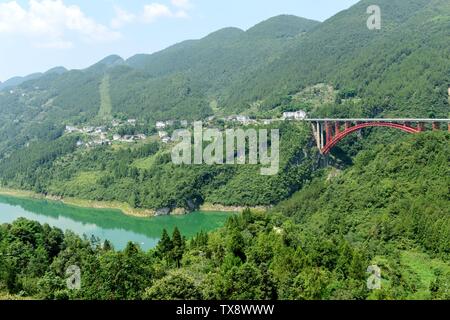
(36, 35)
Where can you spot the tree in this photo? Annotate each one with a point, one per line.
(178, 246)
(175, 286)
(164, 246)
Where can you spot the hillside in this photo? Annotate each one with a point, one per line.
(280, 64)
(257, 72)
(390, 69)
(391, 210)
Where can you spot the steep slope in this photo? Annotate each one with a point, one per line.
(390, 211)
(183, 81)
(390, 68)
(396, 193)
(400, 70)
(186, 79)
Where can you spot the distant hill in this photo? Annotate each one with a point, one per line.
(400, 70)
(16, 81)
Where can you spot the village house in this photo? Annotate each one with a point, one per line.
(100, 130)
(88, 129)
(127, 138)
(166, 139)
(297, 115)
(160, 125)
(71, 129)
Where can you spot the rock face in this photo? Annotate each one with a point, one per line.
(162, 212)
(179, 212)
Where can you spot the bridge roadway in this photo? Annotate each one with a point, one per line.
(378, 120)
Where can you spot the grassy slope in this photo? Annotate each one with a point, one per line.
(105, 111)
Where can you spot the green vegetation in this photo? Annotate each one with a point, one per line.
(316, 245)
(386, 202)
(131, 174)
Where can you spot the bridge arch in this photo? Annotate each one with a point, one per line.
(333, 141)
(328, 132)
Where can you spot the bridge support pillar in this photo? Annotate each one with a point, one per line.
(328, 132)
(421, 126)
(337, 128)
(347, 125)
(436, 126)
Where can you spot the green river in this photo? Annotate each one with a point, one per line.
(110, 225)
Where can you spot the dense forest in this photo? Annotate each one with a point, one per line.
(390, 209)
(130, 173)
(382, 200)
(400, 70)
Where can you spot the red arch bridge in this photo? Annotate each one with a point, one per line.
(329, 132)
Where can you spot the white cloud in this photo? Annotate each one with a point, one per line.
(122, 18)
(57, 44)
(48, 22)
(184, 4)
(150, 13)
(154, 11)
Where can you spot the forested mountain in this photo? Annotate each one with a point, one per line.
(382, 200)
(390, 210)
(15, 81)
(400, 70)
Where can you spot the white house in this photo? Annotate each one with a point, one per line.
(166, 139)
(131, 121)
(88, 129)
(99, 130)
(117, 137)
(160, 125)
(297, 115)
(242, 119)
(71, 129)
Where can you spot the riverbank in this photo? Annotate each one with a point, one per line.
(116, 205)
(222, 208)
(82, 203)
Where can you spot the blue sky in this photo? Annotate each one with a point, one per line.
(36, 35)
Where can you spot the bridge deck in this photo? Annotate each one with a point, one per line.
(379, 120)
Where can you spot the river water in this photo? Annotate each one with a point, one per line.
(110, 225)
